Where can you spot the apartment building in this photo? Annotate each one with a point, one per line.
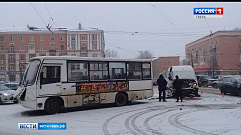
(17, 47)
(162, 64)
(216, 54)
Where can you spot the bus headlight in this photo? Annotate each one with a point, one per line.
(194, 85)
(5, 94)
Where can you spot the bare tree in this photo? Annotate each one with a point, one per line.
(236, 29)
(111, 53)
(145, 55)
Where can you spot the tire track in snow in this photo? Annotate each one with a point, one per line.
(153, 131)
(106, 123)
(173, 120)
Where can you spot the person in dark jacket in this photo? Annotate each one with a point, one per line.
(177, 85)
(161, 81)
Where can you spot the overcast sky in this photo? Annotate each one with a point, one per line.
(163, 28)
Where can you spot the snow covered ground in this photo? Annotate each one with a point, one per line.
(208, 114)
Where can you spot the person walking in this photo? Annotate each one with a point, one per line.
(177, 85)
(161, 81)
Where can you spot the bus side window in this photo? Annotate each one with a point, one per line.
(50, 74)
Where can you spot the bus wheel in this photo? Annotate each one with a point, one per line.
(53, 105)
(120, 99)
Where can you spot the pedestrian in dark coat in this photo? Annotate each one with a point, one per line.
(177, 85)
(161, 81)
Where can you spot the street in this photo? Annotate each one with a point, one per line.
(208, 114)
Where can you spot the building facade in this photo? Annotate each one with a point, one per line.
(216, 54)
(17, 47)
(162, 64)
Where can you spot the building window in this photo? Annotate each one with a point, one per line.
(21, 47)
(1, 38)
(94, 43)
(21, 38)
(73, 47)
(62, 47)
(83, 55)
(83, 48)
(22, 57)
(83, 38)
(62, 38)
(41, 38)
(94, 37)
(52, 38)
(94, 55)
(1, 48)
(11, 38)
(31, 47)
(52, 47)
(31, 38)
(42, 47)
(2, 68)
(73, 38)
(240, 57)
(1, 57)
(11, 49)
(12, 67)
(11, 58)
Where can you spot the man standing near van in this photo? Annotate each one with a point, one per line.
(177, 85)
(162, 83)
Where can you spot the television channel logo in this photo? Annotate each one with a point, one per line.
(43, 126)
(211, 12)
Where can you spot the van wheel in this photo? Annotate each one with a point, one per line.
(120, 99)
(53, 105)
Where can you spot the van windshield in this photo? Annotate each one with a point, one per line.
(184, 74)
(31, 72)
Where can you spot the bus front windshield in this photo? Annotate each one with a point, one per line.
(31, 72)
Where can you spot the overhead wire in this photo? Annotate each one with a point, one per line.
(127, 50)
(170, 21)
(38, 14)
(51, 18)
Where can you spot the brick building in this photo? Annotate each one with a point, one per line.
(216, 54)
(17, 47)
(161, 64)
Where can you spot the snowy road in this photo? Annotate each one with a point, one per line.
(209, 114)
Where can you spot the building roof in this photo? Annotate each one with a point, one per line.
(32, 30)
(213, 35)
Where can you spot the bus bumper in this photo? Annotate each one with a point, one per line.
(28, 104)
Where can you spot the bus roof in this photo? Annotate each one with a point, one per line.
(88, 58)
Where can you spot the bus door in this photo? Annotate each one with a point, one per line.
(50, 82)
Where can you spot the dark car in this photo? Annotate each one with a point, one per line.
(216, 83)
(205, 80)
(231, 84)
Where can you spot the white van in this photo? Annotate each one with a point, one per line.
(187, 75)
